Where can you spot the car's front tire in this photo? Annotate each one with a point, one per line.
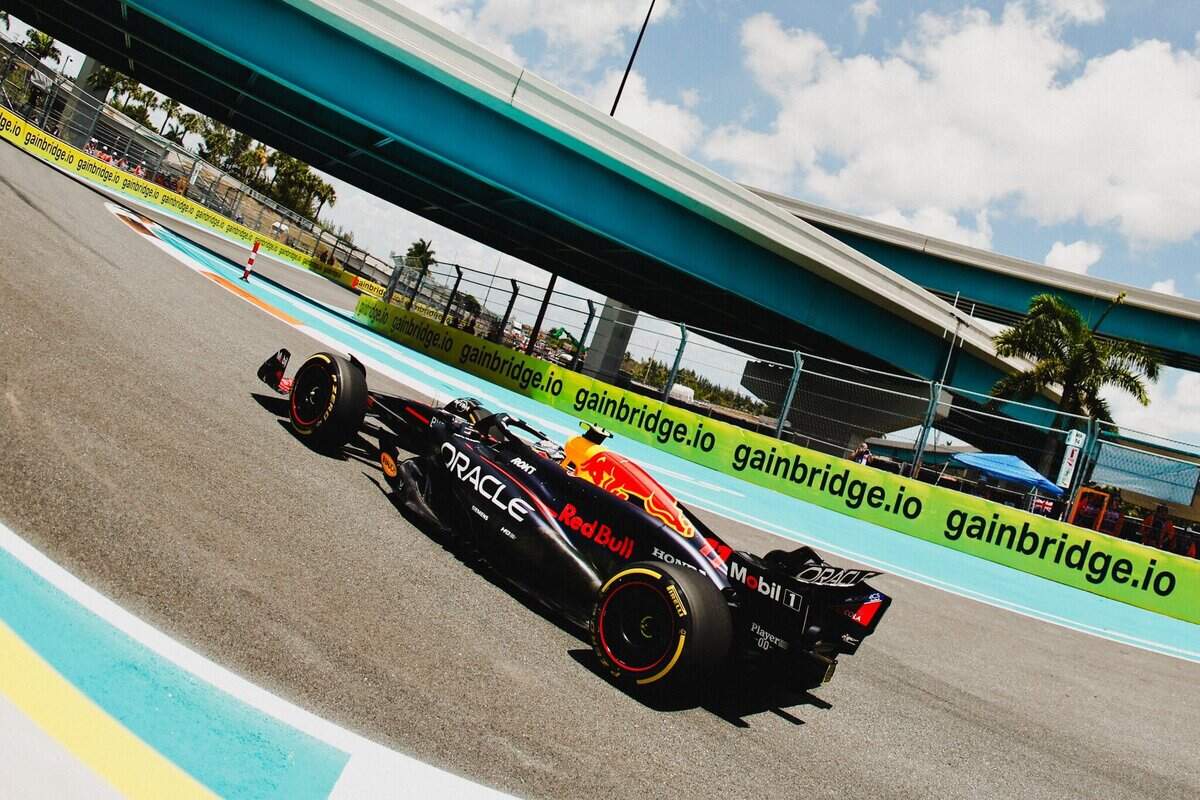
(328, 401)
(661, 627)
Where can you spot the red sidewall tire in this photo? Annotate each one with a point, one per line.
(660, 627)
(328, 401)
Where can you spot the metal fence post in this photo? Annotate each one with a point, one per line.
(91, 131)
(935, 392)
(678, 358)
(391, 284)
(412, 296)
(1086, 457)
(157, 164)
(49, 107)
(790, 394)
(587, 328)
(453, 294)
(512, 300)
(129, 141)
(541, 315)
(208, 192)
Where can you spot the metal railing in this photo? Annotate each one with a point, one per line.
(821, 403)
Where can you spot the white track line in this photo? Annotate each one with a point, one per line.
(372, 771)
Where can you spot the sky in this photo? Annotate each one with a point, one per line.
(1063, 132)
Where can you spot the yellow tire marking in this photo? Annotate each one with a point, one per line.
(630, 571)
(670, 665)
(102, 744)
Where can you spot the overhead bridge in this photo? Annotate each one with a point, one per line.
(998, 288)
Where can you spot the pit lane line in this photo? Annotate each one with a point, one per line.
(913, 559)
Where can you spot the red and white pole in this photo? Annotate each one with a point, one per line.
(250, 261)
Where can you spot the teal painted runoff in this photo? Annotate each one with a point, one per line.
(234, 750)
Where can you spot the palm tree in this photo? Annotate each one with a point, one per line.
(260, 163)
(326, 194)
(184, 124)
(217, 140)
(42, 46)
(1069, 355)
(171, 107)
(110, 81)
(419, 255)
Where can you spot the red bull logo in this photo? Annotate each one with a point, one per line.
(599, 533)
(619, 476)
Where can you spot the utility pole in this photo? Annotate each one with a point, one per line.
(632, 56)
(616, 326)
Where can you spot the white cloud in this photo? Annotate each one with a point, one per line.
(972, 111)
(1174, 409)
(576, 35)
(668, 124)
(1081, 11)
(1166, 287)
(863, 12)
(1076, 257)
(941, 224)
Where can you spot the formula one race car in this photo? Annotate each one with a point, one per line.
(588, 533)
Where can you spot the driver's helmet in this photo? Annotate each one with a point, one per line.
(468, 408)
(547, 448)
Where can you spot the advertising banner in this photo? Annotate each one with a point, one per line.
(57, 152)
(1114, 568)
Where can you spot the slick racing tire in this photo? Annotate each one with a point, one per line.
(660, 627)
(328, 401)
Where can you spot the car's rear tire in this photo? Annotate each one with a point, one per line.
(328, 401)
(660, 628)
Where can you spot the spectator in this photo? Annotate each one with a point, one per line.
(862, 455)
(1155, 527)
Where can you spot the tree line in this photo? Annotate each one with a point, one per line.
(286, 180)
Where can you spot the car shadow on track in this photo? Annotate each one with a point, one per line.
(732, 698)
(359, 449)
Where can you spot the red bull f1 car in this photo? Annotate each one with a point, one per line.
(587, 532)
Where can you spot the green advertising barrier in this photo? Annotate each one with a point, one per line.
(1131, 573)
(70, 159)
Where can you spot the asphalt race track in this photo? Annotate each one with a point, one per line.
(134, 452)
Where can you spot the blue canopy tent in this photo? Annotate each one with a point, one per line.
(1008, 468)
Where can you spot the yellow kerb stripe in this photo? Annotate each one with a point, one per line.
(100, 742)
